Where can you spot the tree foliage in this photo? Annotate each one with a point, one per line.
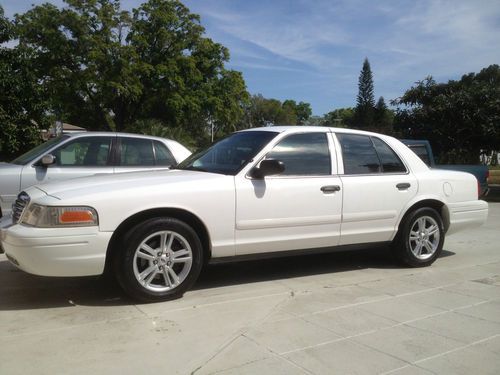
(341, 117)
(302, 111)
(23, 105)
(263, 112)
(365, 101)
(460, 118)
(383, 118)
(105, 67)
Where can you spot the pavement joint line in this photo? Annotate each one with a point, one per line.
(385, 298)
(217, 352)
(242, 333)
(141, 311)
(383, 329)
(288, 293)
(443, 353)
(279, 355)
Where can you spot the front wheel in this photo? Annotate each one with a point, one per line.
(161, 259)
(420, 239)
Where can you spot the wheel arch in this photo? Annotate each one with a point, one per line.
(177, 213)
(434, 203)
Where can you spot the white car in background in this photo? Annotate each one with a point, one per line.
(83, 154)
(259, 192)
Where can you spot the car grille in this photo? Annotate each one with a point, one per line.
(18, 207)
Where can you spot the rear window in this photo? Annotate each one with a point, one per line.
(391, 163)
(359, 154)
(363, 154)
(163, 155)
(136, 152)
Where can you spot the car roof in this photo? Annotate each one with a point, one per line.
(308, 129)
(112, 134)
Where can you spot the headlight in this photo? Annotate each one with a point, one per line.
(48, 217)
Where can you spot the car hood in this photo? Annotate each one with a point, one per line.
(114, 183)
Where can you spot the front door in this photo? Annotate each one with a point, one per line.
(299, 209)
(84, 156)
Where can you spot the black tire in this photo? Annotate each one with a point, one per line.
(127, 262)
(406, 249)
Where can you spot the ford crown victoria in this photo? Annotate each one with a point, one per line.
(258, 192)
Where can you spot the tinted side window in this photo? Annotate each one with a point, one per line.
(163, 155)
(84, 152)
(391, 163)
(136, 152)
(303, 154)
(359, 154)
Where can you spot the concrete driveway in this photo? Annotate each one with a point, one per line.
(344, 313)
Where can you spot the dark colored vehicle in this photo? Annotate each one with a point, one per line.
(423, 149)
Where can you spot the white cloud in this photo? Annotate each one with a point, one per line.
(441, 33)
(301, 39)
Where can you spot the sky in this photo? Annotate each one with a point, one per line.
(313, 50)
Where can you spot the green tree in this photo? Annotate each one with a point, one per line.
(23, 106)
(460, 118)
(108, 68)
(260, 111)
(315, 121)
(298, 113)
(157, 128)
(383, 117)
(341, 117)
(365, 101)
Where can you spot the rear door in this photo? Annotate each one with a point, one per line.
(377, 186)
(139, 154)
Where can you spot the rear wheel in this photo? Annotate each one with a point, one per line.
(162, 258)
(420, 239)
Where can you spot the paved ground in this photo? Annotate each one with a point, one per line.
(329, 314)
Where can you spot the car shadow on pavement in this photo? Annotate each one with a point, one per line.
(244, 272)
(22, 291)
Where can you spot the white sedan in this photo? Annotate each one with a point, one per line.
(85, 154)
(258, 192)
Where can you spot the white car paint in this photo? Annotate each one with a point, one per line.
(14, 177)
(243, 215)
(286, 212)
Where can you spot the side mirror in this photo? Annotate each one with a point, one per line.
(47, 160)
(267, 167)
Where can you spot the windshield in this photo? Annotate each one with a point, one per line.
(229, 155)
(38, 150)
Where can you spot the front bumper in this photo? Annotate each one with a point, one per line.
(54, 251)
(466, 215)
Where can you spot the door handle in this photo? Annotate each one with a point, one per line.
(403, 186)
(328, 189)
